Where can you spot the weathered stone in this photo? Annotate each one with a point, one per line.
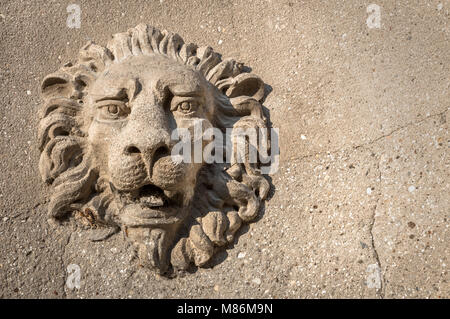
(105, 137)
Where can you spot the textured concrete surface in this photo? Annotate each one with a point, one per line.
(363, 188)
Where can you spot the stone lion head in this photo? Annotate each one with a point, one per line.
(105, 140)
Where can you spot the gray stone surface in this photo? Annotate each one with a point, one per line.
(364, 173)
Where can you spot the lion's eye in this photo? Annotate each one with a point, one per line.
(187, 107)
(112, 110)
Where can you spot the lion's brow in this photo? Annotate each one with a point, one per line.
(132, 88)
(119, 95)
(186, 91)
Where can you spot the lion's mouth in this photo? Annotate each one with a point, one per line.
(152, 196)
(147, 196)
(148, 205)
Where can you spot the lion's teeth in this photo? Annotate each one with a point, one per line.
(152, 201)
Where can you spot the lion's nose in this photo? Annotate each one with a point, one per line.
(154, 152)
(131, 149)
(150, 154)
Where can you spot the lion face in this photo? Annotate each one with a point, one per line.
(106, 141)
(135, 106)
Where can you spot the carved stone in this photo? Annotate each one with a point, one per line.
(105, 141)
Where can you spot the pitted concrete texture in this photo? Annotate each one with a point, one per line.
(360, 203)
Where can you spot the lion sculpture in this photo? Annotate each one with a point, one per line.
(105, 141)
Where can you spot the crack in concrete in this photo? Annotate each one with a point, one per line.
(401, 128)
(381, 290)
(355, 147)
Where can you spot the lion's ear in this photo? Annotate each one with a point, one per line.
(246, 84)
(247, 106)
(56, 84)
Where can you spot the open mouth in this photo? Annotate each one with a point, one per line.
(148, 205)
(152, 196)
(147, 196)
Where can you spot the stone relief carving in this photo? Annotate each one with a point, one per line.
(105, 141)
